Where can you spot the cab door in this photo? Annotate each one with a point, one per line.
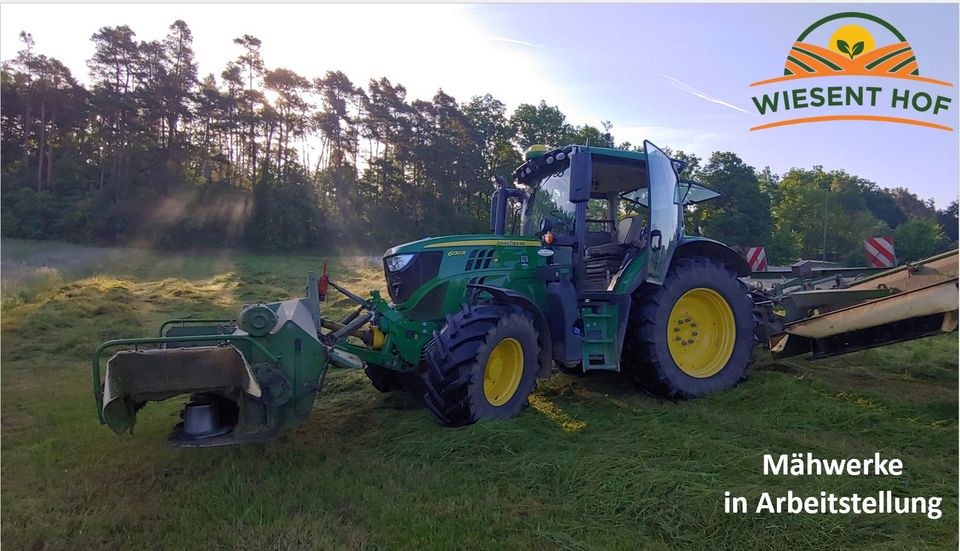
(665, 213)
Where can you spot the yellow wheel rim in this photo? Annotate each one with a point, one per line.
(701, 332)
(501, 375)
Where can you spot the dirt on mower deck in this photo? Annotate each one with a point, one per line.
(592, 464)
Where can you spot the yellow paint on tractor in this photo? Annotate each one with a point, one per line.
(502, 373)
(376, 338)
(701, 332)
(485, 242)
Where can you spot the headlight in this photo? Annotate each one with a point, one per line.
(398, 262)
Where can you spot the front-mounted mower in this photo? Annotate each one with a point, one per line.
(592, 271)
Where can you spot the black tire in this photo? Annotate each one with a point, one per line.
(569, 370)
(383, 379)
(646, 352)
(388, 380)
(457, 358)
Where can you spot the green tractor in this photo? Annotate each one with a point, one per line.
(586, 268)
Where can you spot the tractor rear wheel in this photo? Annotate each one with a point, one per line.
(694, 334)
(481, 365)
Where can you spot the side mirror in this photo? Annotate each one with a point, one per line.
(581, 173)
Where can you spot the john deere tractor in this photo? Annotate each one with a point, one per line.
(586, 267)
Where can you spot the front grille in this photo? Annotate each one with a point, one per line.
(402, 284)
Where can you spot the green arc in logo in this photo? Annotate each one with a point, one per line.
(854, 14)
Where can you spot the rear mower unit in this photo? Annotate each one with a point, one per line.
(826, 316)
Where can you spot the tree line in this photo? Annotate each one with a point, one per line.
(152, 152)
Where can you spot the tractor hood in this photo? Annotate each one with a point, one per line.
(461, 241)
(413, 268)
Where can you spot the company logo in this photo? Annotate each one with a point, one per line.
(853, 45)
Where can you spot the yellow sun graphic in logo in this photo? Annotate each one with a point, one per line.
(851, 41)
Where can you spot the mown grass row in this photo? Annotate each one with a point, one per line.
(592, 464)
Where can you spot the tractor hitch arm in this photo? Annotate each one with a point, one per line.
(366, 304)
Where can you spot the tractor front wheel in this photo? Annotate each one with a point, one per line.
(693, 335)
(481, 365)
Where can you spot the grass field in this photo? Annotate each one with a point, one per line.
(592, 464)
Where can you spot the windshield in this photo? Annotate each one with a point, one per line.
(550, 199)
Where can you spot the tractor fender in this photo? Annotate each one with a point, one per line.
(507, 296)
(701, 246)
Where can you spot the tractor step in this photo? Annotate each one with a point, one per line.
(600, 350)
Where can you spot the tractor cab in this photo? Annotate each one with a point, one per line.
(599, 209)
(612, 220)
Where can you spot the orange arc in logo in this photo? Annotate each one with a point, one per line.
(877, 118)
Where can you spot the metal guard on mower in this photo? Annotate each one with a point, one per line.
(248, 380)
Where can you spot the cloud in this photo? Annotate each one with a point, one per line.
(684, 87)
(508, 40)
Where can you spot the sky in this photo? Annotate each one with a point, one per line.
(676, 74)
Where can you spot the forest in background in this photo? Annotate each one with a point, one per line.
(151, 152)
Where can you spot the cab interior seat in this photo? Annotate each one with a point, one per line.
(604, 260)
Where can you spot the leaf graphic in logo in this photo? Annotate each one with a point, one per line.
(844, 47)
(857, 49)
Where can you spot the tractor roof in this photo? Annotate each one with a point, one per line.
(627, 165)
(535, 151)
(614, 170)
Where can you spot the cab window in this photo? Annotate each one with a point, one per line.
(598, 215)
(550, 199)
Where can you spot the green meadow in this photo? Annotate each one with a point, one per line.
(591, 464)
